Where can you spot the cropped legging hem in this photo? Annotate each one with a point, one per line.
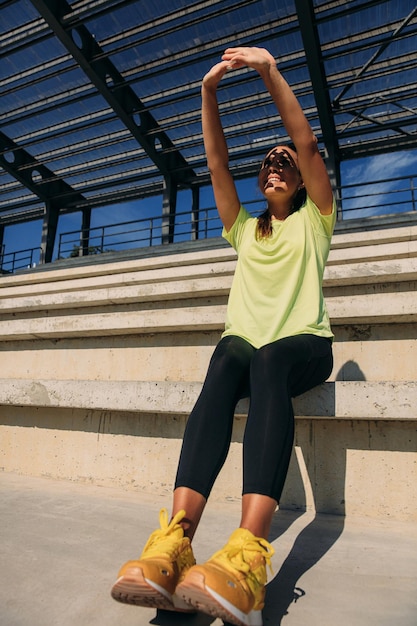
(270, 376)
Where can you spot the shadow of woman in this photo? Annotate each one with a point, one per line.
(311, 544)
(170, 618)
(316, 483)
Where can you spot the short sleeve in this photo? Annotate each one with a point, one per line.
(323, 224)
(235, 234)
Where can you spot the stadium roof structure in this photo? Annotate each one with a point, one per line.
(101, 98)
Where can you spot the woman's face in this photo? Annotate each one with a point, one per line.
(279, 172)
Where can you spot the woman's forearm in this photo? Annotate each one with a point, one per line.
(214, 140)
(290, 111)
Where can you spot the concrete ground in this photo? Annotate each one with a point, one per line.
(62, 545)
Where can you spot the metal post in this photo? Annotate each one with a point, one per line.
(169, 204)
(413, 195)
(49, 228)
(85, 232)
(1, 246)
(195, 213)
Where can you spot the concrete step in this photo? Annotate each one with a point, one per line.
(372, 282)
(396, 400)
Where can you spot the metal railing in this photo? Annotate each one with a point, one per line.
(10, 262)
(377, 198)
(382, 197)
(139, 233)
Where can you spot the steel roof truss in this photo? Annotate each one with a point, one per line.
(104, 76)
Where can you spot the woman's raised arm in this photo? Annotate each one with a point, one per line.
(224, 189)
(312, 167)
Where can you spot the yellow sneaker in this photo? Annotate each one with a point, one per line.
(231, 585)
(152, 579)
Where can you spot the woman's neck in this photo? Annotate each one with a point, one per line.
(279, 212)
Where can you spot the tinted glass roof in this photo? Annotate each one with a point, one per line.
(101, 98)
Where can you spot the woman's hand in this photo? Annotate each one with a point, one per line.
(235, 58)
(215, 74)
(257, 58)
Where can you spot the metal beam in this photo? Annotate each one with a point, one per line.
(380, 145)
(33, 175)
(312, 47)
(393, 36)
(23, 216)
(111, 85)
(42, 182)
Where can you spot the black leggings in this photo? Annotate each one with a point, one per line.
(271, 376)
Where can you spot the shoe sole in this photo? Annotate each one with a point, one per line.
(140, 591)
(194, 591)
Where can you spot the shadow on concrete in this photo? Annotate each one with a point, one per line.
(350, 371)
(309, 547)
(322, 532)
(169, 618)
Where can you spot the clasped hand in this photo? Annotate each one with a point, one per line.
(234, 58)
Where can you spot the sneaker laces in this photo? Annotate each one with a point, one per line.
(165, 540)
(239, 556)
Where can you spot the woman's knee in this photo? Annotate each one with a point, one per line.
(271, 357)
(232, 353)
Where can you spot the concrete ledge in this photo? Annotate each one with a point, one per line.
(196, 282)
(32, 290)
(194, 314)
(369, 231)
(340, 399)
(370, 278)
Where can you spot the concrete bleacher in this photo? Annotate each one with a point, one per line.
(103, 359)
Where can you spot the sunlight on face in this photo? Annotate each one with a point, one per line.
(279, 158)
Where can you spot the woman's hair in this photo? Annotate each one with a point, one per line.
(264, 226)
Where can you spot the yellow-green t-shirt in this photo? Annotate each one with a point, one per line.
(277, 286)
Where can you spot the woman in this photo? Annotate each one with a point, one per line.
(276, 345)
